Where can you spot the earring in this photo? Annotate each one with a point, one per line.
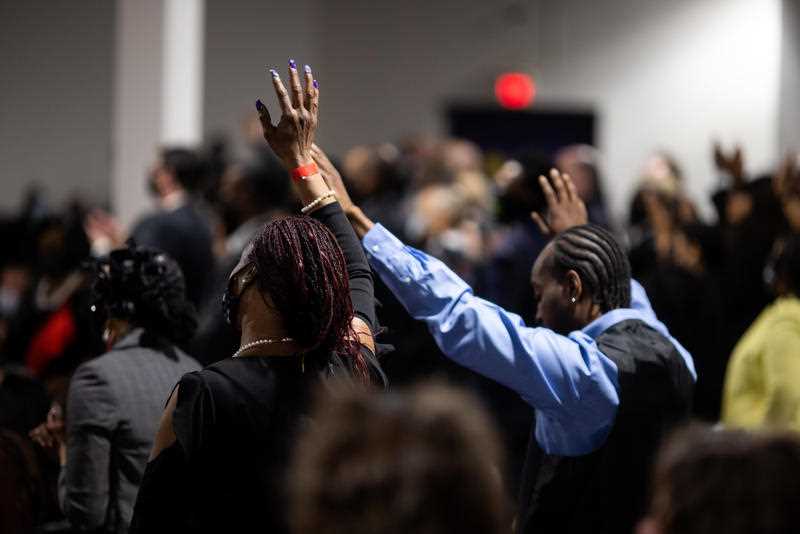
(572, 300)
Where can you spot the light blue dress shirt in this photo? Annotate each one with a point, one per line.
(572, 385)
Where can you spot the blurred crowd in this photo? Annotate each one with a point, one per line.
(726, 286)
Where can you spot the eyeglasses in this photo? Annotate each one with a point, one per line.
(231, 298)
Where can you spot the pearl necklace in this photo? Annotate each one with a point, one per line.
(259, 342)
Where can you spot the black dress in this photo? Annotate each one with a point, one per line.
(235, 422)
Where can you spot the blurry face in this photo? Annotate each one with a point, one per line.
(159, 180)
(233, 198)
(554, 309)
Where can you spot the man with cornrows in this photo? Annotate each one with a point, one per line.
(605, 377)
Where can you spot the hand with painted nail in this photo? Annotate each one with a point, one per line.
(291, 138)
(565, 208)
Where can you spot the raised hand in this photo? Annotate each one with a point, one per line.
(50, 435)
(565, 208)
(786, 182)
(732, 163)
(292, 137)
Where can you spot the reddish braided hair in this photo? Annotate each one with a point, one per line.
(302, 268)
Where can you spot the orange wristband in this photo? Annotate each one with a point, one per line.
(304, 171)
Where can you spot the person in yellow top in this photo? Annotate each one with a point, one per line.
(762, 384)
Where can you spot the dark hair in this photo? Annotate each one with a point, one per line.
(72, 246)
(729, 481)
(427, 461)
(24, 493)
(525, 194)
(787, 264)
(146, 288)
(300, 266)
(593, 253)
(186, 165)
(265, 181)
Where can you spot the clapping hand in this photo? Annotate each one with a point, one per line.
(565, 208)
(292, 137)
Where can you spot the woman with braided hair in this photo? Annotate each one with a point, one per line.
(302, 298)
(115, 400)
(604, 376)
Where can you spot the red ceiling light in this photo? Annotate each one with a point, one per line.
(514, 90)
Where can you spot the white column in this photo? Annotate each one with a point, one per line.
(182, 72)
(157, 92)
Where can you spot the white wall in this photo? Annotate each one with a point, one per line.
(682, 74)
(789, 134)
(243, 39)
(158, 87)
(659, 74)
(55, 98)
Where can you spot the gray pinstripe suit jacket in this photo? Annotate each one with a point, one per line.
(114, 406)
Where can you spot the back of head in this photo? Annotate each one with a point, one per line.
(524, 194)
(597, 257)
(426, 461)
(61, 242)
(727, 481)
(302, 269)
(786, 266)
(146, 288)
(265, 180)
(185, 165)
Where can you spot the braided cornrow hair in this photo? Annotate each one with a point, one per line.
(599, 260)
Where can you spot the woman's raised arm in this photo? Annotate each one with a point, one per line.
(292, 139)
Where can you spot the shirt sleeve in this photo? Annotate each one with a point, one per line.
(572, 385)
(91, 420)
(362, 293)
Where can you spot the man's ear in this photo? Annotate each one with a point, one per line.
(573, 286)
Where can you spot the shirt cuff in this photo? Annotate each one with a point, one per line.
(379, 241)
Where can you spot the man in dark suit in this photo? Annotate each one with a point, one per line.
(177, 227)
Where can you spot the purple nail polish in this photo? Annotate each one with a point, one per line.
(316, 84)
(307, 69)
(274, 73)
(292, 64)
(259, 105)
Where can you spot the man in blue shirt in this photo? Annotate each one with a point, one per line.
(604, 375)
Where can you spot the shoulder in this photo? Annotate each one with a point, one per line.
(636, 347)
(204, 383)
(92, 372)
(633, 329)
(90, 392)
(186, 361)
(784, 314)
(148, 221)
